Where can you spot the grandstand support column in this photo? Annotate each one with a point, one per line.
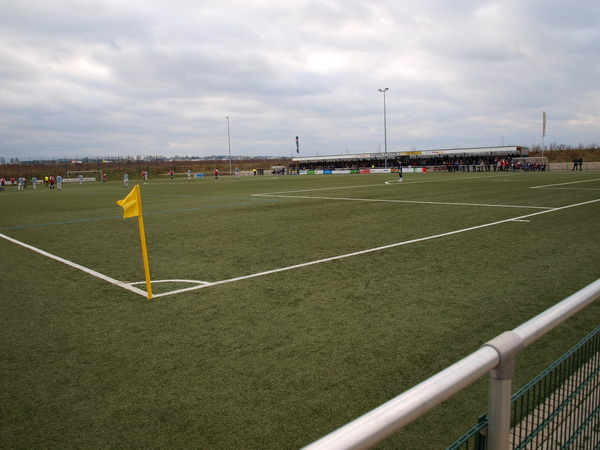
(508, 345)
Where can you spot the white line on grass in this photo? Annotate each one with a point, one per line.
(403, 201)
(376, 249)
(439, 180)
(76, 266)
(563, 184)
(203, 284)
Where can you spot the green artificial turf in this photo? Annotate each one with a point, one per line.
(277, 360)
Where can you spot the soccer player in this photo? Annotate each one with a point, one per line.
(59, 181)
(126, 180)
(80, 179)
(34, 182)
(189, 174)
(51, 181)
(237, 173)
(2, 183)
(216, 174)
(400, 171)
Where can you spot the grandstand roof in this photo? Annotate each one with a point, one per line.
(488, 151)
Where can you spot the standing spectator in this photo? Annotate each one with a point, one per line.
(575, 164)
(580, 164)
(399, 171)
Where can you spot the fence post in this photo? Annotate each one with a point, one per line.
(508, 345)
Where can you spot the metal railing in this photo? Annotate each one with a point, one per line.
(558, 408)
(496, 357)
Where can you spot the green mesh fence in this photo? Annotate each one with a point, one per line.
(560, 408)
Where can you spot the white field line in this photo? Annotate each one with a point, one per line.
(402, 201)
(384, 184)
(203, 284)
(76, 266)
(546, 186)
(376, 249)
(570, 189)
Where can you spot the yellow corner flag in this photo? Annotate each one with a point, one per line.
(132, 207)
(132, 204)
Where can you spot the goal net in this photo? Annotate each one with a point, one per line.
(534, 163)
(75, 176)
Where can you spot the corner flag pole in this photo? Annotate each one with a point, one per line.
(132, 207)
(145, 255)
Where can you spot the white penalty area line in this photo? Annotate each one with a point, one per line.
(388, 183)
(549, 186)
(76, 266)
(403, 201)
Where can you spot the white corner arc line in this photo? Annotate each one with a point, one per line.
(198, 283)
(76, 266)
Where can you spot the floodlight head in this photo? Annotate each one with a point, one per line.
(383, 90)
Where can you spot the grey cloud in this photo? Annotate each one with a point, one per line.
(161, 76)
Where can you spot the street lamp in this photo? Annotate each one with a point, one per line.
(229, 144)
(384, 124)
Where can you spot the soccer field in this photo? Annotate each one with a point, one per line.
(283, 307)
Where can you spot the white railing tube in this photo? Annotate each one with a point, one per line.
(380, 423)
(508, 345)
(546, 321)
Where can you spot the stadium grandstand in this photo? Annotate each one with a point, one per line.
(465, 159)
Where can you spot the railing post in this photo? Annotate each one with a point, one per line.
(508, 345)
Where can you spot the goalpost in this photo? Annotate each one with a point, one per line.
(73, 176)
(532, 163)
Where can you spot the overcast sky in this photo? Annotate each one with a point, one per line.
(157, 77)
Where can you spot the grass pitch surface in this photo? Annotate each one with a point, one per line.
(310, 301)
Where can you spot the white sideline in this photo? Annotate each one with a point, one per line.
(203, 284)
(76, 266)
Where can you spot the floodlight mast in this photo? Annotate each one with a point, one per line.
(384, 125)
(229, 144)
